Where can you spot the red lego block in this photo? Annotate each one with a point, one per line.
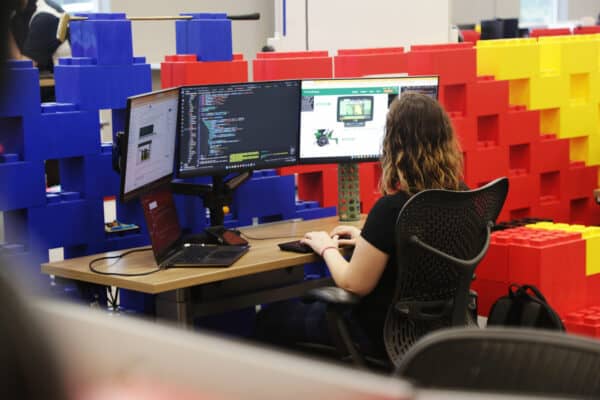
(523, 190)
(470, 35)
(292, 54)
(550, 154)
(580, 211)
(488, 292)
(465, 129)
(454, 98)
(584, 322)
(178, 70)
(519, 125)
(580, 180)
(369, 175)
(535, 33)
(592, 283)
(494, 266)
(356, 65)
(488, 130)
(455, 63)
(487, 96)
(519, 158)
(373, 50)
(316, 182)
(554, 261)
(485, 164)
(586, 30)
(549, 207)
(266, 69)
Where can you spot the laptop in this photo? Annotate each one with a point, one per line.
(170, 247)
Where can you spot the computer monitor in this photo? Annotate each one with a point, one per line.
(343, 120)
(148, 147)
(238, 127)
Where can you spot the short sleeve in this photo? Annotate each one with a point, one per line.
(381, 222)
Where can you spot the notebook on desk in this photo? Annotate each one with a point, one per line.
(170, 247)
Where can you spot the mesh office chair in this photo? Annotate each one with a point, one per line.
(441, 236)
(524, 361)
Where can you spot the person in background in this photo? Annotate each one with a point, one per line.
(33, 27)
(420, 151)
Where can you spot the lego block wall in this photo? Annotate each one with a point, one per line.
(99, 75)
(557, 77)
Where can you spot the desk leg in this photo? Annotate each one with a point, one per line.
(183, 311)
(174, 306)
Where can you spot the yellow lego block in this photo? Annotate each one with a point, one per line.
(539, 92)
(508, 59)
(592, 250)
(547, 91)
(586, 149)
(594, 87)
(577, 120)
(574, 54)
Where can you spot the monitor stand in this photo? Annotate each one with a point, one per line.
(215, 196)
(348, 192)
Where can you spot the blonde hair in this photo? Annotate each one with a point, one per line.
(419, 150)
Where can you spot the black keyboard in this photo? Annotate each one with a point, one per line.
(296, 246)
(209, 255)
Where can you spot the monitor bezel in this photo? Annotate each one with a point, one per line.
(164, 180)
(220, 171)
(351, 159)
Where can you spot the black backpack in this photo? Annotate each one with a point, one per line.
(522, 308)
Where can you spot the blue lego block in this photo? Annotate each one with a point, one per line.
(24, 269)
(9, 158)
(60, 224)
(192, 214)
(140, 303)
(132, 213)
(95, 87)
(91, 175)
(206, 35)
(22, 185)
(107, 38)
(239, 323)
(249, 200)
(311, 210)
(61, 131)
(21, 88)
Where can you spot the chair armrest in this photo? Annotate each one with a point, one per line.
(333, 295)
(457, 261)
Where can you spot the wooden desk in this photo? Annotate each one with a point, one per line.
(256, 276)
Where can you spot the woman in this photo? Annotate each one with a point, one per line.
(419, 152)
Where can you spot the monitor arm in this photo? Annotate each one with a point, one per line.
(215, 196)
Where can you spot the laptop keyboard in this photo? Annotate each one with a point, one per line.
(208, 255)
(193, 254)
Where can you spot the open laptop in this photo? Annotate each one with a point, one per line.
(170, 247)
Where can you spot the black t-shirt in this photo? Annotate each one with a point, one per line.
(34, 30)
(379, 231)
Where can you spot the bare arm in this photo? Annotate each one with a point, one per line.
(361, 274)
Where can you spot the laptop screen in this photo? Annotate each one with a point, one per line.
(161, 218)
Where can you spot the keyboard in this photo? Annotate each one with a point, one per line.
(209, 255)
(296, 246)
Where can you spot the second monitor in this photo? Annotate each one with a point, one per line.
(238, 127)
(343, 120)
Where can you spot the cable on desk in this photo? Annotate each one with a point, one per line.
(269, 237)
(91, 264)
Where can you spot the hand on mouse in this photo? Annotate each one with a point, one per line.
(319, 241)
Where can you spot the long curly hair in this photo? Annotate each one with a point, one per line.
(419, 150)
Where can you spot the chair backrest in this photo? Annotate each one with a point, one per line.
(441, 235)
(530, 362)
